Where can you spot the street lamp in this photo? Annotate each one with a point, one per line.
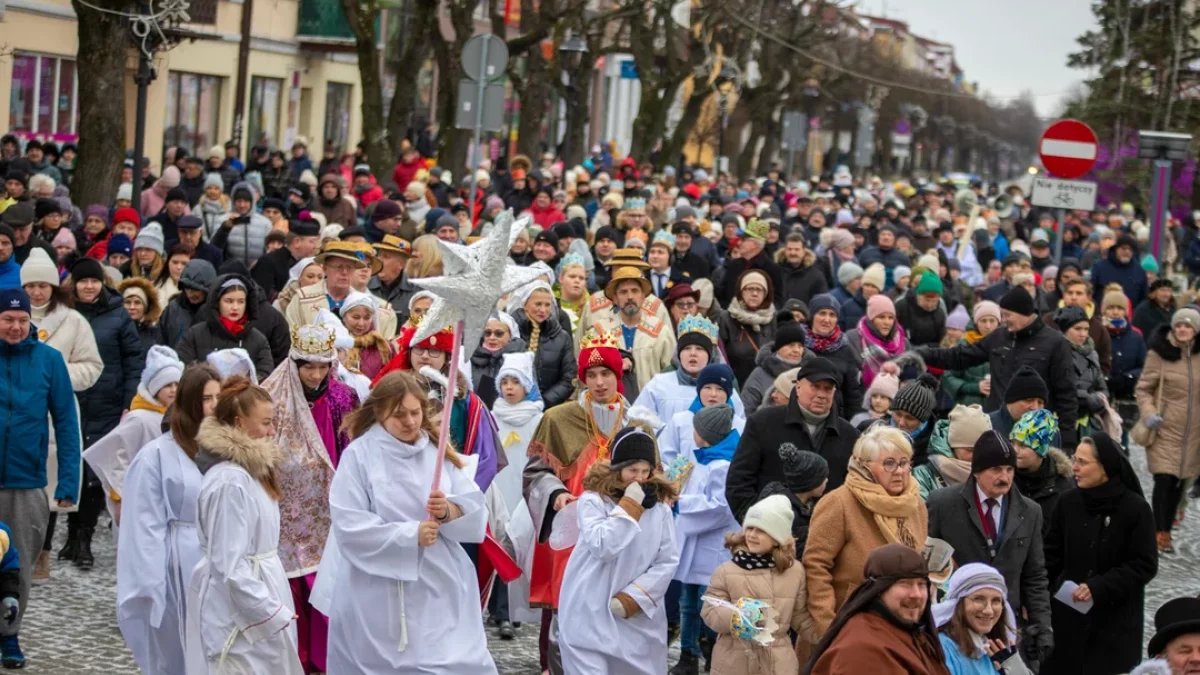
(571, 53)
(725, 83)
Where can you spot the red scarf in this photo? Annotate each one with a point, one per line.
(824, 345)
(235, 328)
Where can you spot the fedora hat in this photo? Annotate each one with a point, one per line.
(627, 273)
(628, 257)
(352, 251)
(394, 244)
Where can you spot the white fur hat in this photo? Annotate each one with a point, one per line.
(163, 367)
(520, 366)
(235, 361)
(772, 515)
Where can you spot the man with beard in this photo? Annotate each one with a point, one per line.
(886, 625)
(673, 391)
(647, 338)
(987, 520)
(600, 305)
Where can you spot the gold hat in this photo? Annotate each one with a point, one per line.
(625, 273)
(394, 244)
(352, 251)
(628, 257)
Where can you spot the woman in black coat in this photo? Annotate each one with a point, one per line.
(229, 315)
(825, 338)
(551, 344)
(748, 324)
(498, 340)
(102, 405)
(1102, 538)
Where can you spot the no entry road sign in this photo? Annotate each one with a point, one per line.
(1068, 149)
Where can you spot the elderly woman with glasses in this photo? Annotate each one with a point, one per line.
(878, 504)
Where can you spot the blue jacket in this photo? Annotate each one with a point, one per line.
(36, 384)
(1128, 358)
(854, 307)
(1130, 276)
(10, 273)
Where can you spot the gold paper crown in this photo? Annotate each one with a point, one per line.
(314, 340)
(757, 229)
(597, 339)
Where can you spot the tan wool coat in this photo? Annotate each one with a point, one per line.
(785, 592)
(1176, 447)
(841, 535)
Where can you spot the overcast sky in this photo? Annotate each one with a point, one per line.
(1006, 46)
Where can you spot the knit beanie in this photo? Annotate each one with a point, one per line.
(915, 398)
(125, 192)
(804, 470)
(14, 299)
(694, 337)
(64, 238)
(880, 304)
(930, 262)
(754, 277)
(1026, 384)
(39, 268)
(884, 384)
(633, 444)
(1186, 315)
(992, 450)
(44, 207)
(713, 423)
(930, 283)
(791, 332)
(957, 319)
(176, 194)
(213, 179)
(7, 231)
(824, 301)
(1018, 301)
(197, 275)
(1149, 264)
(1114, 298)
(88, 268)
(901, 272)
(985, 308)
(119, 243)
(163, 367)
(874, 275)
(772, 515)
(1065, 317)
(848, 272)
(967, 424)
(786, 381)
(151, 237)
(1037, 430)
(716, 373)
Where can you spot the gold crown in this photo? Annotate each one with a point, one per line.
(315, 340)
(596, 339)
(757, 229)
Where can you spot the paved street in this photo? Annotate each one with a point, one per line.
(71, 626)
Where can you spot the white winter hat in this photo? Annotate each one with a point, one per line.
(125, 191)
(39, 268)
(520, 366)
(235, 361)
(772, 515)
(360, 299)
(163, 367)
(151, 237)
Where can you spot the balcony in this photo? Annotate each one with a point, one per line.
(323, 25)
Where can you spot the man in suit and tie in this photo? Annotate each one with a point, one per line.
(661, 275)
(987, 520)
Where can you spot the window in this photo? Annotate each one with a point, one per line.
(265, 96)
(193, 112)
(44, 95)
(337, 115)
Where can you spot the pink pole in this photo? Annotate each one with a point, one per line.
(448, 405)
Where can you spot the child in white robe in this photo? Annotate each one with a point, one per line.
(400, 592)
(240, 616)
(158, 545)
(612, 619)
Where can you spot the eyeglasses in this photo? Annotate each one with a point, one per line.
(686, 304)
(495, 333)
(892, 465)
(983, 601)
(424, 352)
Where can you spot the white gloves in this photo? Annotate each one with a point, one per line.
(634, 491)
(615, 605)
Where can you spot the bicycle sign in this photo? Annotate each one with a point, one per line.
(1063, 194)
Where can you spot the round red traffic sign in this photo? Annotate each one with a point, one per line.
(1068, 149)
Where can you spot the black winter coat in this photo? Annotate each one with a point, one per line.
(1047, 485)
(271, 271)
(923, 328)
(1038, 346)
(102, 405)
(175, 320)
(726, 289)
(756, 463)
(554, 358)
(268, 320)
(1114, 553)
(396, 295)
(693, 265)
(485, 365)
(1150, 315)
(801, 282)
(1128, 358)
(209, 334)
(742, 344)
(850, 390)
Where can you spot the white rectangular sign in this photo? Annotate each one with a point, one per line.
(1064, 194)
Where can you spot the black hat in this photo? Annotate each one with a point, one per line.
(819, 369)
(88, 268)
(352, 232)
(1013, 258)
(1180, 616)
(633, 444)
(1065, 317)
(33, 143)
(1162, 282)
(548, 237)
(304, 227)
(608, 232)
(682, 227)
(460, 207)
(578, 227)
(274, 203)
(695, 337)
(916, 398)
(301, 190)
(6, 231)
(562, 230)
(1018, 300)
(1026, 384)
(176, 194)
(20, 214)
(45, 207)
(805, 470)
(189, 222)
(992, 449)
(789, 332)
(18, 175)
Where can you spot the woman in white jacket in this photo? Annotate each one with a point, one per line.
(240, 616)
(159, 544)
(400, 592)
(67, 331)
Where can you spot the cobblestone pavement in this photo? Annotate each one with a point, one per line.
(71, 626)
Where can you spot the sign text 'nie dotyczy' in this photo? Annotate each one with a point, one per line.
(1056, 193)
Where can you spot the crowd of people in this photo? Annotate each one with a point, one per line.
(802, 426)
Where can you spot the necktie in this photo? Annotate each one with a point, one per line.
(990, 523)
(661, 282)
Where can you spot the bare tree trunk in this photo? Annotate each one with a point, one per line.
(454, 142)
(770, 149)
(577, 126)
(407, 68)
(673, 146)
(534, 93)
(361, 17)
(103, 38)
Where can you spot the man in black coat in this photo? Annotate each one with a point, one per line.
(752, 254)
(272, 270)
(1023, 340)
(688, 262)
(776, 435)
(803, 273)
(987, 520)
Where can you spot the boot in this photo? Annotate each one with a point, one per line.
(41, 569)
(71, 548)
(506, 630)
(11, 656)
(689, 664)
(1164, 542)
(83, 555)
(706, 649)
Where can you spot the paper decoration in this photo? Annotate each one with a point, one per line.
(748, 613)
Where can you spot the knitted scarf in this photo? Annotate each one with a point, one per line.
(753, 561)
(954, 470)
(876, 350)
(140, 402)
(825, 344)
(892, 512)
(752, 319)
(1086, 348)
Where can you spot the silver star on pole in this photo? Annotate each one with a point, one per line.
(475, 278)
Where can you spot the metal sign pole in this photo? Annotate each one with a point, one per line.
(1160, 187)
(1060, 215)
(475, 162)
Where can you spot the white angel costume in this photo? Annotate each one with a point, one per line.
(667, 394)
(676, 438)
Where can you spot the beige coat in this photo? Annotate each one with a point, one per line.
(841, 535)
(67, 331)
(598, 306)
(1176, 447)
(785, 592)
(307, 302)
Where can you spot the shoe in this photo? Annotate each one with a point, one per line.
(706, 649)
(41, 568)
(1163, 539)
(11, 656)
(689, 664)
(507, 632)
(71, 548)
(83, 555)
(672, 632)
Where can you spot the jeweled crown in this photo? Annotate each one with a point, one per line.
(314, 339)
(597, 339)
(698, 324)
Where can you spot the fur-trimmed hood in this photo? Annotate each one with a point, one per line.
(221, 443)
(602, 479)
(153, 308)
(1162, 343)
(1062, 463)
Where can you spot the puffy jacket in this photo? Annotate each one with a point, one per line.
(266, 319)
(36, 384)
(854, 307)
(103, 403)
(209, 335)
(1089, 382)
(801, 282)
(757, 389)
(1130, 275)
(246, 242)
(554, 358)
(176, 319)
(485, 365)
